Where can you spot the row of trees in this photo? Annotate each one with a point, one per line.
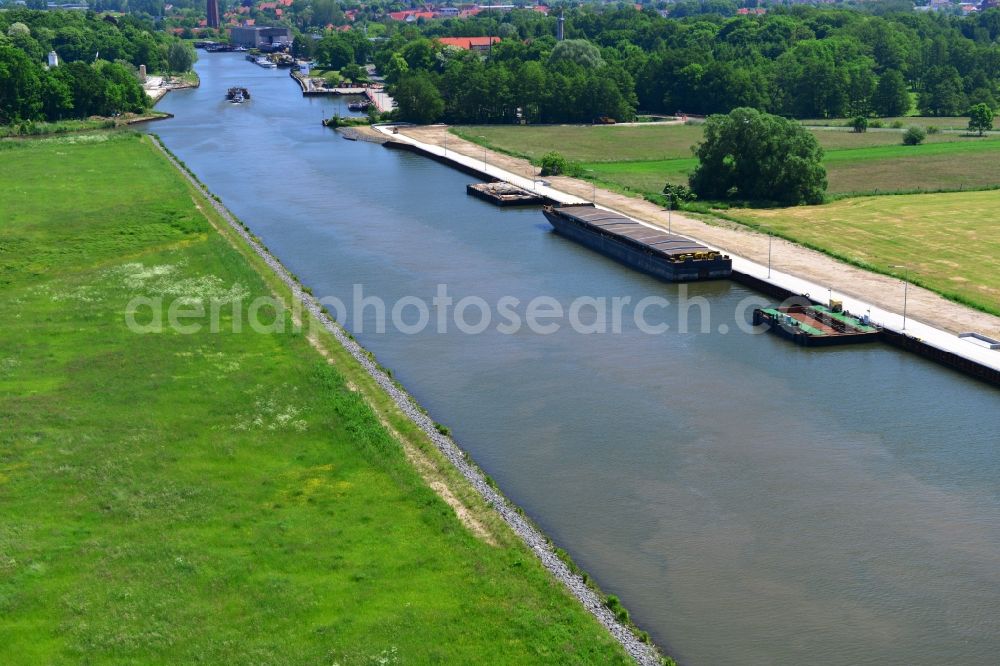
(97, 74)
(85, 36)
(569, 83)
(798, 61)
(73, 90)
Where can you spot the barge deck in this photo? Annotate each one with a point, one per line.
(667, 256)
(816, 325)
(504, 194)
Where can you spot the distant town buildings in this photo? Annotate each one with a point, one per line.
(428, 12)
(963, 8)
(412, 15)
(481, 44)
(260, 37)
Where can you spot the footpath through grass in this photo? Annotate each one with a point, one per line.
(642, 159)
(949, 241)
(214, 497)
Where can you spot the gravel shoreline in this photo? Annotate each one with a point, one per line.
(642, 653)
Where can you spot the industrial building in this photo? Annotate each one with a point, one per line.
(260, 37)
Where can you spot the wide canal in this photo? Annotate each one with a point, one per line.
(749, 501)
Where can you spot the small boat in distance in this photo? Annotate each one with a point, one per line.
(238, 95)
(265, 63)
(359, 106)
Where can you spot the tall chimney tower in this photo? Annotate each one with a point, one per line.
(560, 27)
(213, 13)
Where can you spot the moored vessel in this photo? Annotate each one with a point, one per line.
(817, 325)
(667, 256)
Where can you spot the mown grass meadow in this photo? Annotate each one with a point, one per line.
(948, 241)
(642, 159)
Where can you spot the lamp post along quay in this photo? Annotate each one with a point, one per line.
(906, 287)
(770, 237)
(485, 164)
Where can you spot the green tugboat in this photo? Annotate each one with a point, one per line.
(816, 325)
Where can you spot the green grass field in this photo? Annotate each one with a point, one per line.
(642, 158)
(222, 497)
(941, 122)
(948, 241)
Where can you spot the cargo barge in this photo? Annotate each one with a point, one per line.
(666, 256)
(504, 194)
(816, 325)
(237, 95)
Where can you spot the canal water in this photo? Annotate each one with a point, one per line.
(749, 501)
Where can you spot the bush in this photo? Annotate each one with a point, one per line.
(677, 194)
(914, 136)
(554, 164)
(933, 129)
(875, 123)
(860, 124)
(897, 124)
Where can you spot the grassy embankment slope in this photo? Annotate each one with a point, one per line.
(218, 497)
(947, 240)
(85, 125)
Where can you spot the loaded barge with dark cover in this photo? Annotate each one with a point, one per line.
(666, 256)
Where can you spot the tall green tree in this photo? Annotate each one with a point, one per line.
(334, 51)
(749, 155)
(578, 52)
(180, 57)
(980, 118)
(57, 98)
(944, 92)
(418, 99)
(892, 96)
(20, 86)
(303, 46)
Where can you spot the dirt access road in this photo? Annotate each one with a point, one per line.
(881, 290)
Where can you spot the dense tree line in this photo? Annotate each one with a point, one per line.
(801, 62)
(540, 82)
(98, 57)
